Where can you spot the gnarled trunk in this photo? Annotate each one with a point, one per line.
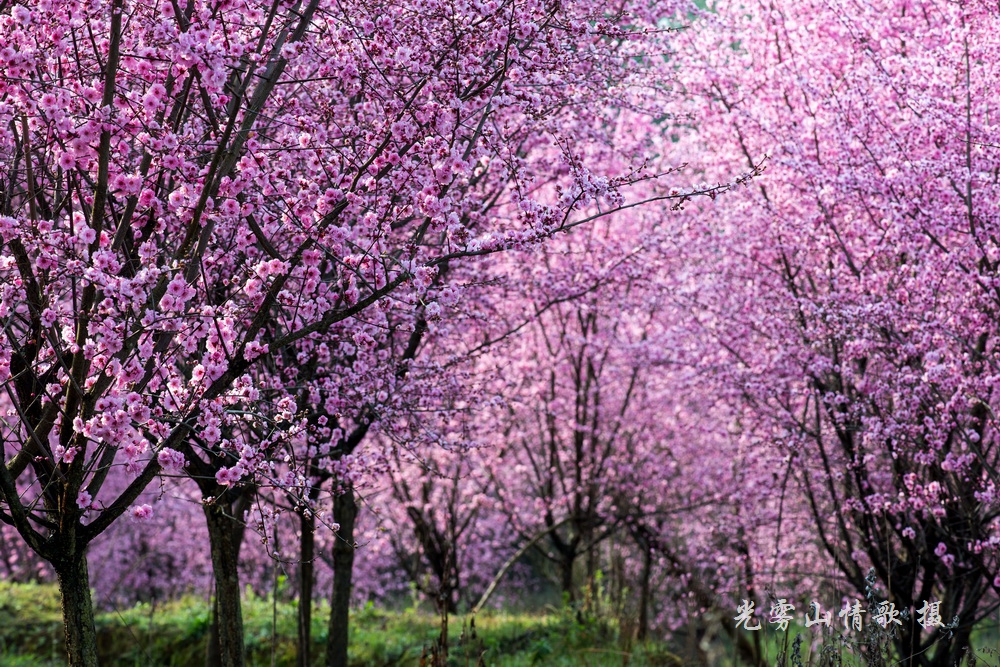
(225, 648)
(77, 609)
(345, 511)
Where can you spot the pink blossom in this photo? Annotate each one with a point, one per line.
(64, 454)
(48, 317)
(84, 500)
(179, 290)
(22, 15)
(212, 434)
(171, 460)
(228, 476)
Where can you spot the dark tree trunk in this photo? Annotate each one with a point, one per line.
(212, 651)
(647, 566)
(345, 510)
(307, 550)
(450, 579)
(225, 649)
(950, 652)
(591, 564)
(566, 572)
(78, 610)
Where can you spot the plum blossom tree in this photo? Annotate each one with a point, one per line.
(578, 402)
(851, 293)
(446, 531)
(191, 188)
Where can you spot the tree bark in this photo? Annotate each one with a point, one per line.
(307, 550)
(224, 541)
(345, 511)
(593, 594)
(78, 610)
(951, 651)
(566, 576)
(647, 567)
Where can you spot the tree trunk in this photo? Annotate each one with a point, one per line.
(307, 551)
(566, 572)
(952, 651)
(593, 594)
(647, 566)
(224, 541)
(345, 510)
(212, 651)
(78, 611)
(449, 582)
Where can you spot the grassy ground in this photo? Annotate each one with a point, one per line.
(175, 634)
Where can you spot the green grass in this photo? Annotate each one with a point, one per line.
(175, 634)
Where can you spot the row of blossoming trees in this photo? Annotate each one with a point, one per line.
(423, 288)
